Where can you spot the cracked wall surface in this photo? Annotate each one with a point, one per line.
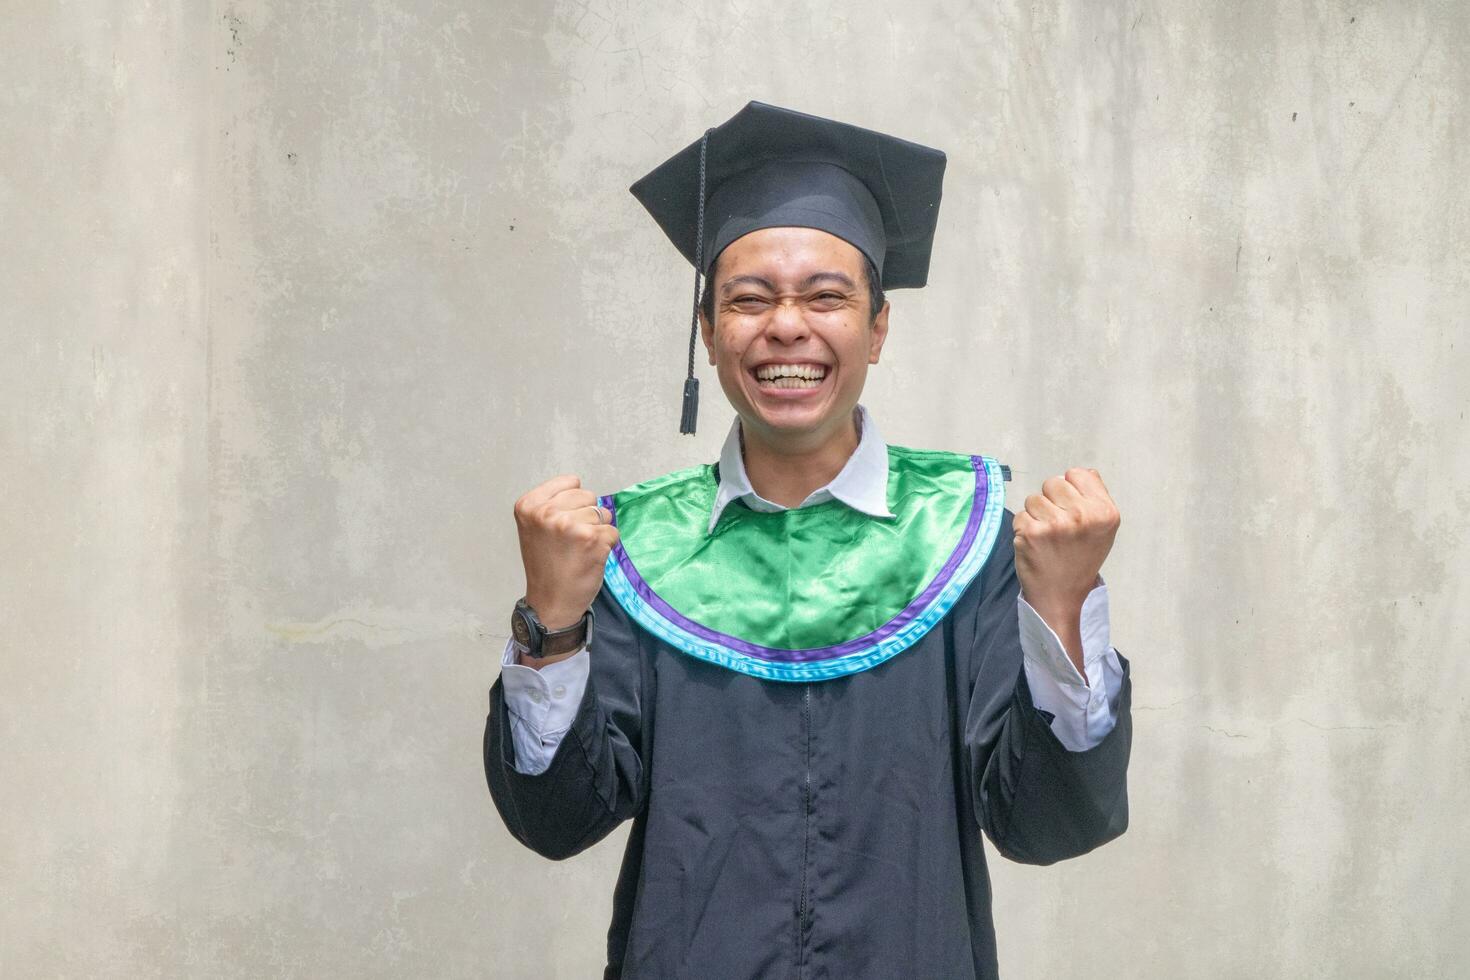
(300, 297)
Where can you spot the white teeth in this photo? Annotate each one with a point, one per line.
(781, 372)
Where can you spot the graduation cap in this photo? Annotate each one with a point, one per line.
(768, 167)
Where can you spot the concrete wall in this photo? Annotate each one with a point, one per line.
(299, 297)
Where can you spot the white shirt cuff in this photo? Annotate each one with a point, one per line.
(1084, 710)
(542, 704)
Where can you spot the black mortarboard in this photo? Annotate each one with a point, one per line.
(770, 167)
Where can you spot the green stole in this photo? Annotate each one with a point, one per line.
(809, 593)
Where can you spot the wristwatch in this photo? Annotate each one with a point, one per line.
(532, 636)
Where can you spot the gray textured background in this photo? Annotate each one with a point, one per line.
(297, 297)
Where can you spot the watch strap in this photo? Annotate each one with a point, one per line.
(558, 642)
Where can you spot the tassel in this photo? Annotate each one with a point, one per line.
(691, 407)
(691, 383)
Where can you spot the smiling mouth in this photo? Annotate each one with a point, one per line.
(790, 375)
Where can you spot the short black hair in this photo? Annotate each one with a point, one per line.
(870, 272)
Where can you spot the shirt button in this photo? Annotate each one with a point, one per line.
(560, 691)
(537, 696)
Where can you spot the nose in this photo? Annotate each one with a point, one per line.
(787, 325)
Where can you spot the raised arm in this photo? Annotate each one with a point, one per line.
(1037, 801)
(596, 776)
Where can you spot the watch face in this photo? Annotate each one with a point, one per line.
(520, 629)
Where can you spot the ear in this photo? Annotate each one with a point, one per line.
(878, 335)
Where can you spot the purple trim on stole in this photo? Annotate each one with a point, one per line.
(909, 612)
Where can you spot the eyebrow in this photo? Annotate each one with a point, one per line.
(806, 283)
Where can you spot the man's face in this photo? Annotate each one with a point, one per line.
(793, 336)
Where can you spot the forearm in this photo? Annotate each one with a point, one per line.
(1083, 702)
(542, 702)
(577, 776)
(1041, 803)
(1039, 799)
(557, 812)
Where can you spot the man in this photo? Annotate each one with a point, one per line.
(813, 673)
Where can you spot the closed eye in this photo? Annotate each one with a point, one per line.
(828, 300)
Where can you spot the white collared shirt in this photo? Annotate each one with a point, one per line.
(542, 703)
(862, 483)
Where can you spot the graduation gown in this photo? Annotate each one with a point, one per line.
(818, 829)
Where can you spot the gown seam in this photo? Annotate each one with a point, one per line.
(804, 907)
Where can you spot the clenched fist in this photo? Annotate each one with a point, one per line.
(1061, 539)
(565, 539)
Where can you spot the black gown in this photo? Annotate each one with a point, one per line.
(828, 829)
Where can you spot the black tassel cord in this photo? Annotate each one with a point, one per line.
(690, 414)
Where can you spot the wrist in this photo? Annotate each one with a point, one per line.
(539, 643)
(1055, 607)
